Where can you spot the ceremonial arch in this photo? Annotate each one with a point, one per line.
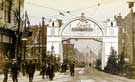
(79, 28)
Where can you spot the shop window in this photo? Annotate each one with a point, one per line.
(5, 39)
(123, 30)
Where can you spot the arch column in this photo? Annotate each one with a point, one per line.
(61, 51)
(103, 56)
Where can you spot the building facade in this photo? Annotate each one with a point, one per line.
(35, 45)
(8, 22)
(126, 35)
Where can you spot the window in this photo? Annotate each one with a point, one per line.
(111, 23)
(52, 31)
(5, 39)
(123, 41)
(123, 30)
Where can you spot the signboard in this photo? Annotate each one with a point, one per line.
(82, 26)
(27, 34)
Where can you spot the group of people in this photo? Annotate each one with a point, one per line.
(47, 69)
(71, 67)
(14, 69)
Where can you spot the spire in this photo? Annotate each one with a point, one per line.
(130, 5)
(43, 22)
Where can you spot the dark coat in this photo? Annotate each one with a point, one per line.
(50, 70)
(72, 67)
(14, 68)
(6, 67)
(43, 67)
(30, 68)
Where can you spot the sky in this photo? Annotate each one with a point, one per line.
(100, 10)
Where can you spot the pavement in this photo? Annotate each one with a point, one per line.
(81, 75)
(59, 77)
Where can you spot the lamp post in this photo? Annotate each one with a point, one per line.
(24, 50)
(24, 55)
(18, 33)
(52, 53)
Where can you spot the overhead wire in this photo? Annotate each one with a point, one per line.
(92, 6)
(97, 5)
(76, 10)
(38, 5)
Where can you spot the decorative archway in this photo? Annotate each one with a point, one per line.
(83, 28)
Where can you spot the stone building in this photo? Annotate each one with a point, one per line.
(8, 22)
(126, 35)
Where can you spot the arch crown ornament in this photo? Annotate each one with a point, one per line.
(81, 26)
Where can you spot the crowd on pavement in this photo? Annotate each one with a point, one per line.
(47, 69)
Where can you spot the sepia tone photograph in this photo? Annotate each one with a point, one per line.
(67, 40)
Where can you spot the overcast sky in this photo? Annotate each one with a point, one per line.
(99, 10)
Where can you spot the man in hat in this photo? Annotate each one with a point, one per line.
(14, 70)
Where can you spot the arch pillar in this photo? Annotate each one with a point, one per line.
(61, 52)
(103, 56)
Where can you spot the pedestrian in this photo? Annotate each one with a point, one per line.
(43, 67)
(50, 71)
(5, 70)
(64, 67)
(31, 70)
(72, 69)
(24, 64)
(14, 70)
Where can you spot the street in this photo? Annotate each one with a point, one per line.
(81, 75)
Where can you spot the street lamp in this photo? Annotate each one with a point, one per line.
(24, 39)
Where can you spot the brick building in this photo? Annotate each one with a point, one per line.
(36, 44)
(68, 52)
(126, 35)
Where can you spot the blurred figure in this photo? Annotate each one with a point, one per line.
(64, 67)
(43, 67)
(50, 71)
(30, 70)
(14, 70)
(72, 69)
(5, 70)
(24, 65)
